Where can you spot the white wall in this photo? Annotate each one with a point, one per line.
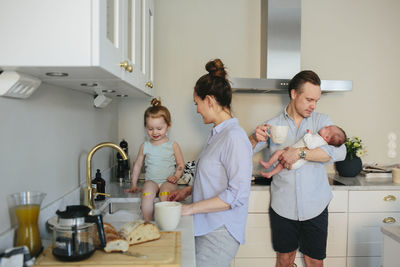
(347, 40)
(44, 141)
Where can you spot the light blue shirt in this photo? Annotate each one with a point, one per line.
(224, 169)
(159, 161)
(303, 193)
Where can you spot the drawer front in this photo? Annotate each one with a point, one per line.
(364, 262)
(364, 235)
(259, 201)
(374, 201)
(339, 201)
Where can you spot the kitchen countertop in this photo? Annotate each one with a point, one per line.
(358, 183)
(393, 231)
(117, 192)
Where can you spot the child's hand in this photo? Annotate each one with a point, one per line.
(173, 179)
(133, 189)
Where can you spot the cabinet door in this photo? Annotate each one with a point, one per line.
(337, 235)
(147, 66)
(391, 249)
(364, 235)
(364, 262)
(131, 41)
(108, 16)
(258, 262)
(258, 238)
(259, 201)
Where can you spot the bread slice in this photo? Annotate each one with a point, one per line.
(114, 242)
(137, 232)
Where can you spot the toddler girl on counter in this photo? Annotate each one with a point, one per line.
(162, 158)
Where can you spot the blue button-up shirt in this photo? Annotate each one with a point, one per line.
(303, 193)
(224, 169)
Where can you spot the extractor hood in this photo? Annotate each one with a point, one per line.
(280, 51)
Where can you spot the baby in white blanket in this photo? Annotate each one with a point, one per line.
(331, 135)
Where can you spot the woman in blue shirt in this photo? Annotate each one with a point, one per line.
(221, 186)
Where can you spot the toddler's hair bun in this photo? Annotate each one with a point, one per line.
(156, 102)
(216, 68)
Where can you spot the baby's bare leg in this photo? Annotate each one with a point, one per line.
(150, 190)
(274, 158)
(269, 174)
(165, 189)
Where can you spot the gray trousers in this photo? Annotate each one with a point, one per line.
(216, 249)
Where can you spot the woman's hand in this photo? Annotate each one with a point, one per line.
(180, 194)
(133, 189)
(173, 179)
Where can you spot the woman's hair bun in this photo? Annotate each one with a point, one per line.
(156, 102)
(216, 68)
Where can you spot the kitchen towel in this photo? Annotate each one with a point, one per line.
(16, 257)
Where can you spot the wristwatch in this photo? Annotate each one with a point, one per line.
(302, 153)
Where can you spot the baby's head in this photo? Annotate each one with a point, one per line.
(333, 135)
(157, 120)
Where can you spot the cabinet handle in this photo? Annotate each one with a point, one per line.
(389, 198)
(389, 220)
(149, 84)
(124, 64)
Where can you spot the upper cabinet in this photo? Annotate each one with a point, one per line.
(97, 46)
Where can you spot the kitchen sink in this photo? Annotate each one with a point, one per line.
(118, 211)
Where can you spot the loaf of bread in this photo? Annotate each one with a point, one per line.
(114, 242)
(137, 232)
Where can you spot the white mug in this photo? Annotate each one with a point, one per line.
(278, 133)
(167, 214)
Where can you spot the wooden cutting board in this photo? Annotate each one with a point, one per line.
(165, 252)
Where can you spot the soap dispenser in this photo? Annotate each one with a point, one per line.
(99, 184)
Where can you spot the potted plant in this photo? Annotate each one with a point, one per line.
(352, 164)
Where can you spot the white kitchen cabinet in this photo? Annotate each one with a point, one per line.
(391, 249)
(368, 212)
(258, 251)
(106, 42)
(365, 237)
(363, 262)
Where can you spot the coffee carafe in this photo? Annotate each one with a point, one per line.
(27, 208)
(123, 168)
(76, 232)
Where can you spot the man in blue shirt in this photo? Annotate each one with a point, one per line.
(299, 198)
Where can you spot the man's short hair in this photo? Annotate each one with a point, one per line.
(301, 78)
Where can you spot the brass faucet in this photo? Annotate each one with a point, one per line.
(89, 194)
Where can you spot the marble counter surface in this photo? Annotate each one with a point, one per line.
(358, 183)
(118, 195)
(392, 231)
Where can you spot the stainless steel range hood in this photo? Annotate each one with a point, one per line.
(280, 51)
